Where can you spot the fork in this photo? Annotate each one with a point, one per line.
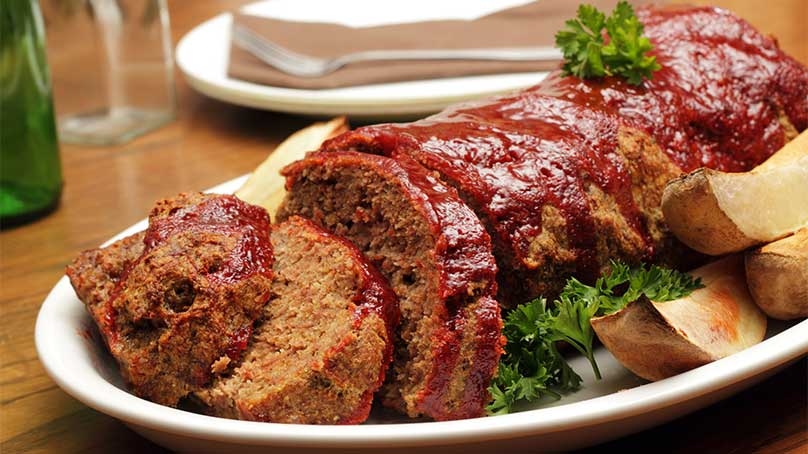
(301, 65)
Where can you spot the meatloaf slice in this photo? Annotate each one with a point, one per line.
(437, 258)
(325, 341)
(176, 304)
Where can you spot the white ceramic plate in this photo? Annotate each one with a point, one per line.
(617, 405)
(202, 56)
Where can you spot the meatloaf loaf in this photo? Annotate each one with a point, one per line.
(437, 258)
(176, 303)
(324, 343)
(568, 174)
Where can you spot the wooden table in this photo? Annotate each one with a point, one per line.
(109, 188)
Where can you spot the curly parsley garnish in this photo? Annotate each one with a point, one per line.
(587, 55)
(532, 367)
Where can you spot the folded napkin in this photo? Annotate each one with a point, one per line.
(531, 25)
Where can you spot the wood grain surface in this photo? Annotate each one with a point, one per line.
(110, 188)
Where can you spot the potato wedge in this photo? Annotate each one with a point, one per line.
(718, 212)
(777, 275)
(659, 340)
(265, 186)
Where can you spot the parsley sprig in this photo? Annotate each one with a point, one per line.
(532, 366)
(587, 55)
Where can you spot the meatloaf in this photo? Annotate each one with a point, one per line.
(437, 258)
(176, 304)
(568, 174)
(324, 342)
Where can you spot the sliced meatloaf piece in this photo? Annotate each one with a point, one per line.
(176, 304)
(568, 174)
(324, 343)
(437, 258)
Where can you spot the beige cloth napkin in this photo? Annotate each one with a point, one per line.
(534, 24)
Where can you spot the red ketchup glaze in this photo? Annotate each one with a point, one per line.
(376, 296)
(108, 325)
(715, 103)
(489, 345)
(238, 342)
(446, 345)
(463, 247)
(513, 156)
(487, 348)
(224, 215)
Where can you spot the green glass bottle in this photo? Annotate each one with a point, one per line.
(30, 170)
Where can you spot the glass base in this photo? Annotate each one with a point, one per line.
(111, 127)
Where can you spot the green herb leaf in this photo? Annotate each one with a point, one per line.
(570, 323)
(533, 368)
(587, 55)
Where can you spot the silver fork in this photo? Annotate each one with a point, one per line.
(301, 65)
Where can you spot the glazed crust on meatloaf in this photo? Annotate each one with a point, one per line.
(324, 343)
(436, 256)
(176, 304)
(552, 206)
(568, 175)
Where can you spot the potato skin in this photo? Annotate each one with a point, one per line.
(643, 341)
(694, 216)
(777, 276)
(656, 340)
(265, 186)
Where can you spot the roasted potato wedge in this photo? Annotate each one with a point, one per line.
(265, 186)
(658, 340)
(777, 275)
(718, 212)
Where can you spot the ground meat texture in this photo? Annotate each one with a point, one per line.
(437, 258)
(567, 175)
(175, 305)
(325, 341)
(95, 273)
